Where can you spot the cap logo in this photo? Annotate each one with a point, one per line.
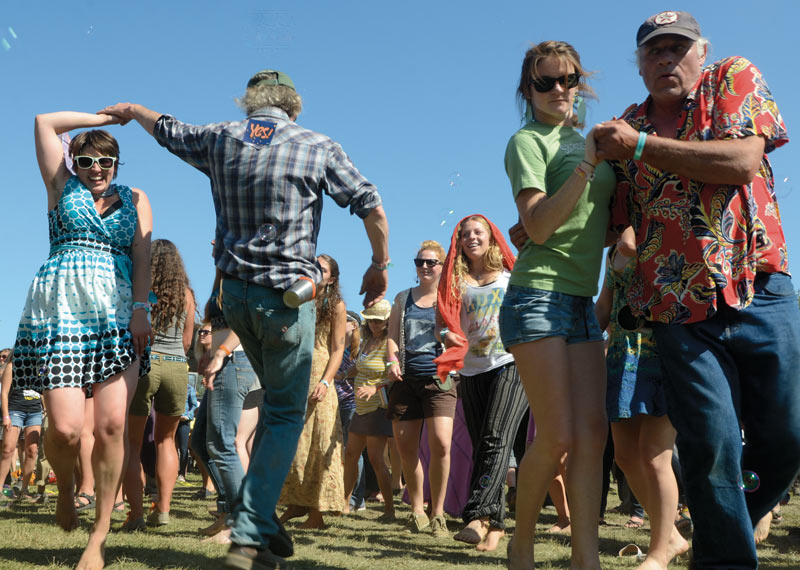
(665, 18)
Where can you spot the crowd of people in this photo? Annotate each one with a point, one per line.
(693, 342)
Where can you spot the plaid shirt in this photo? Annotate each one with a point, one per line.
(267, 178)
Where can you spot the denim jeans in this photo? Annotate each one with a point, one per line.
(224, 410)
(357, 498)
(736, 368)
(279, 343)
(198, 443)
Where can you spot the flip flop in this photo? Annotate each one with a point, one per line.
(633, 551)
(119, 507)
(80, 505)
(633, 524)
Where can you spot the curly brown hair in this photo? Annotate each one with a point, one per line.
(170, 284)
(329, 296)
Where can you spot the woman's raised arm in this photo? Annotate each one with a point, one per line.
(49, 150)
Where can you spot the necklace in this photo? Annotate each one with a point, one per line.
(110, 191)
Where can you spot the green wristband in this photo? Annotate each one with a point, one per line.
(637, 154)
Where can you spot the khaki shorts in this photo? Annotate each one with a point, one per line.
(416, 398)
(165, 384)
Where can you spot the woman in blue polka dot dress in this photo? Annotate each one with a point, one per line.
(85, 326)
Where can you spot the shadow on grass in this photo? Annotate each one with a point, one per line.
(150, 557)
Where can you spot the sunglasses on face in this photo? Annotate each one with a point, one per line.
(202, 334)
(426, 262)
(86, 162)
(544, 83)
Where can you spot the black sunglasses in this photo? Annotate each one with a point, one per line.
(86, 162)
(544, 83)
(201, 334)
(426, 262)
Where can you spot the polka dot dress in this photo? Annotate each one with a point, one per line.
(74, 327)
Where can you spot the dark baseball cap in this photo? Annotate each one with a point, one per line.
(270, 77)
(353, 316)
(678, 23)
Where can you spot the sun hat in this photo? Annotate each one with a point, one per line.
(379, 311)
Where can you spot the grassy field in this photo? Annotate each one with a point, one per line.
(30, 539)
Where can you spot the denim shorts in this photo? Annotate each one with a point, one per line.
(533, 314)
(25, 419)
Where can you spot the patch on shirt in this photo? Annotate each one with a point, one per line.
(259, 132)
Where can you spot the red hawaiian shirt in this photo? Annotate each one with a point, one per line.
(697, 239)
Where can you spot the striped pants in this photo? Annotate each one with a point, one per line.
(494, 405)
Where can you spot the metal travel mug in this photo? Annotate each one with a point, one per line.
(301, 291)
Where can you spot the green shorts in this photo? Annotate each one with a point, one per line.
(165, 385)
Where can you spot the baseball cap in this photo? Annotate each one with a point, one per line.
(669, 22)
(270, 77)
(353, 316)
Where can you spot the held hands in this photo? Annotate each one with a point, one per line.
(123, 112)
(451, 339)
(319, 393)
(141, 331)
(373, 286)
(518, 235)
(614, 140)
(366, 392)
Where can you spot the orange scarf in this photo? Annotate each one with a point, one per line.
(449, 304)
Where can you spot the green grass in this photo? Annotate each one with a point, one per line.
(30, 539)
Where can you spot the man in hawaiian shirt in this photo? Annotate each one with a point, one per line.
(712, 277)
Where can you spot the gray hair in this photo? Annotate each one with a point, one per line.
(280, 96)
(702, 44)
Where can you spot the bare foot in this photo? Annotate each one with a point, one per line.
(346, 509)
(677, 545)
(66, 515)
(314, 521)
(492, 539)
(222, 537)
(761, 532)
(561, 527)
(293, 512)
(650, 564)
(93, 557)
(473, 533)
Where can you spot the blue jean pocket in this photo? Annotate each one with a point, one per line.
(776, 285)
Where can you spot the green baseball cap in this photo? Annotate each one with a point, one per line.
(270, 77)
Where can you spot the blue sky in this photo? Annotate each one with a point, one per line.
(419, 94)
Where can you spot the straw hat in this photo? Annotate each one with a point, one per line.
(379, 311)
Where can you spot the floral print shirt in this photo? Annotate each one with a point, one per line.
(698, 240)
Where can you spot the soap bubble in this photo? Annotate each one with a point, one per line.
(11, 31)
(267, 233)
(750, 481)
(42, 370)
(445, 216)
(484, 481)
(6, 45)
(90, 31)
(455, 179)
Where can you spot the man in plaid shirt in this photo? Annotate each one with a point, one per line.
(268, 176)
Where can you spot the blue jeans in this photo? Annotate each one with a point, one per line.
(736, 368)
(357, 498)
(279, 343)
(198, 443)
(224, 410)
